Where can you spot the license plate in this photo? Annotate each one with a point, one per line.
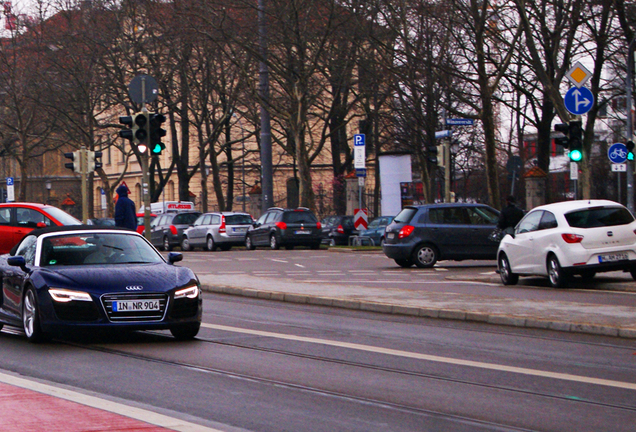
(390, 235)
(302, 232)
(135, 305)
(239, 230)
(613, 257)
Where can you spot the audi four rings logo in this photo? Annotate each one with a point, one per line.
(134, 288)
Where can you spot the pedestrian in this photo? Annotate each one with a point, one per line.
(509, 216)
(125, 214)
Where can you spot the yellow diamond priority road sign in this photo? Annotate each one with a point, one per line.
(578, 75)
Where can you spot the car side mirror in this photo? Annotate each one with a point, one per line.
(174, 257)
(18, 261)
(256, 224)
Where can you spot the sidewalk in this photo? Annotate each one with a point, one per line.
(619, 321)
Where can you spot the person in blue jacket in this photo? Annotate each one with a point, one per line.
(125, 214)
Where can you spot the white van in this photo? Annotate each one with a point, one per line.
(169, 207)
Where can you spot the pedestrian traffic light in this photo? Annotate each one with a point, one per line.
(630, 150)
(575, 135)
(432, 154)
(563, 141)
(75, 158)
(126, 132)
(140, 131)
(94, 161)
(157, 133)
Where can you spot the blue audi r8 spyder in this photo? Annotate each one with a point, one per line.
(67, 278)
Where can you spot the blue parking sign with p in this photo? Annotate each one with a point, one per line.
(358, 140)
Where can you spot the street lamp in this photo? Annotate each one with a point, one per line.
(630, 123)
(47, 185)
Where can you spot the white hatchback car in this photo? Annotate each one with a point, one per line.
(569, 238)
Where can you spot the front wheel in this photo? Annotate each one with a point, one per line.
(185, 332)
(425, 256)
(31, 317)
(505, 271)
(249, 244)
(557, 276)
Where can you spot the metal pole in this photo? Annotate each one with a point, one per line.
(84, 174)
(447, 176)
(630, 125)
(266, 133)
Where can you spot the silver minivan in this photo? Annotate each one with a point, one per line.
(217, 230)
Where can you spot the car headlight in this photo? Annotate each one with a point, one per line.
(64, 296)
(188, 292)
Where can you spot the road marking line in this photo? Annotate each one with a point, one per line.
(299, 265)
(279, 260)
(106, 405)
(428, 357)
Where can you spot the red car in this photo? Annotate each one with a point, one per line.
(18, 219)
(140, 221)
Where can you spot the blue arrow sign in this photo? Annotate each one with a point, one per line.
(578, 100)
(617, 153)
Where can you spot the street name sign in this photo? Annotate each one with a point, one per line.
(460, 122)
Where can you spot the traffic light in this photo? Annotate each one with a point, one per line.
(126, 132)
(630, 150)
(75, 157)
(432, 154)
(157, 133)
(564, 141)
(140, 131)
(93, 160)
(575, 134)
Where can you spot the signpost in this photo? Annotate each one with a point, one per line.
(359, 162)
(10, 190)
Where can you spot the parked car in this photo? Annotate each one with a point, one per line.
(217, 230)
(17, 219)
(166, 230)
(375, 230)
(141, 223)
(425, 234)
(104, 222)
(336, 230)
(569, 238)
(90, 278)
(285, 227)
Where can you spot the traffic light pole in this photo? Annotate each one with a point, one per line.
(630, 124)
(83, 153)
(447, 173)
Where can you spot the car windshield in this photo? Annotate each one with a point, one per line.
(239, 219)
(595, 217)
(299, 217)
(79, 249)
(63, 217)
(405, 215)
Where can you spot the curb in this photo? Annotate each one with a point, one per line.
(452, 314)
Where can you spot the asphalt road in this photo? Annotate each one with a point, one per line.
(267, 366)
(375, 269)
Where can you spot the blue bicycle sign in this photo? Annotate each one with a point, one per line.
(617, 153)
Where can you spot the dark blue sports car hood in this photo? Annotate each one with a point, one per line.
(97, 279)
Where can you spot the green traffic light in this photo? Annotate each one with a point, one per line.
(576, 155)
(630, 156)
(156, 149)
